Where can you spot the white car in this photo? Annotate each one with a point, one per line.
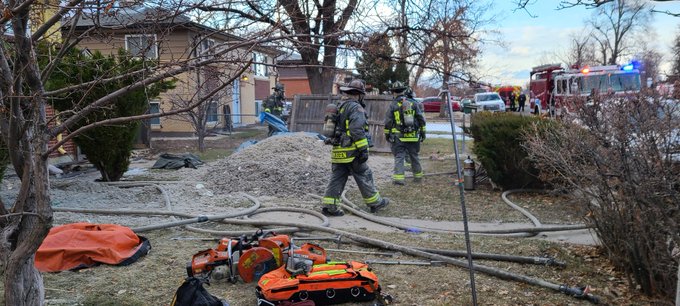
(489, 101)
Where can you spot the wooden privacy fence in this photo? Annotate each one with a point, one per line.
(307, 115)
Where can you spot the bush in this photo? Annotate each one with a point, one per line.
(617, 158)
(107, 147)
(498, 146)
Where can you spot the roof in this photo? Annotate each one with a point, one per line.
(141, 16)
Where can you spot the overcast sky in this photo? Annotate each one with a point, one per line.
(532, 40)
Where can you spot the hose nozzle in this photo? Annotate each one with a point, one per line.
(580, 293)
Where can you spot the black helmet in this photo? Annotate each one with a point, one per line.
(356, 86)
(278, 87)
(398, 87)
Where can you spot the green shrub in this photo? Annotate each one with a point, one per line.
(107, 147)
(498, 145)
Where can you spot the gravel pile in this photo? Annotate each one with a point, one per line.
(291, 164)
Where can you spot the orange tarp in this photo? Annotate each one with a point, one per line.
(82, 245)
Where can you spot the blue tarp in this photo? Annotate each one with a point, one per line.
(274, 122)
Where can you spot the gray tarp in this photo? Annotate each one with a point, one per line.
(172, 161)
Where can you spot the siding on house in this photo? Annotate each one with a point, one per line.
(175, 44)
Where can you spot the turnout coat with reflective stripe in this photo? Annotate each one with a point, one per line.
(394, 121)
(352, 125)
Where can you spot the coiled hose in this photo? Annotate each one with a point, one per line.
(228, 218)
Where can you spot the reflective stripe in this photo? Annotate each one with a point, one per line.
(410, 139)
(395, 130)
(422, 128)
(266, 110)
(330, 201)
(419, 174)
(386, 131)
(340, 155)
(372, 199)
(361, 143)
(398, 177)
(397, 116)
(329, 272)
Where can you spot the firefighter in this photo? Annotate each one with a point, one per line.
(350, 152)
(404, 129)
(274, 104)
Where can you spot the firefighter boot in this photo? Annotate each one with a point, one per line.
(380, 205)
(332, 211)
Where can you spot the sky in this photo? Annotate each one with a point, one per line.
(529, 41)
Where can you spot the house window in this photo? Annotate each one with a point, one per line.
(212, 116)
(259, 64)
(258, 106)
(155, 108)
(143, 46)
(205, 46)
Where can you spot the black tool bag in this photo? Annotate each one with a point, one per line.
(192, 293)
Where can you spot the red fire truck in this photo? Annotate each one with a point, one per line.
(551, 84)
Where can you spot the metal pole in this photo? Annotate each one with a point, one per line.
(445, 91)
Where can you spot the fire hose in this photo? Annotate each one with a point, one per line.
(222, 218)
(521, 232)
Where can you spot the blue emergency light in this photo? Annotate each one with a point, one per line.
(628, 67)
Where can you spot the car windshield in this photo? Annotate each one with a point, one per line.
(491, 97)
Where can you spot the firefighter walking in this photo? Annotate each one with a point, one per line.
(346, 129)
(274, 104)
(404, 129)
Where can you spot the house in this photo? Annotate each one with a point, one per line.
(293, 76)
(172, 38)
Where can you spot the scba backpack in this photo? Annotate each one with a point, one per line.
(192, 293)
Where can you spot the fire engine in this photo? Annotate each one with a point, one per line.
(506, 91)
(552, 84)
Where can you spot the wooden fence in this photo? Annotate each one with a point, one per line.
(307, 115)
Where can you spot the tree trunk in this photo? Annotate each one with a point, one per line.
(677, 287)
(201, 142)
(23, 234)
(320, 80)
(23, 283)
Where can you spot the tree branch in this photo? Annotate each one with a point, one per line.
(146, 116)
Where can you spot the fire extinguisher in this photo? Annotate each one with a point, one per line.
(469, 174)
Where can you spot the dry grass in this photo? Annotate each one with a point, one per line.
(154, 279)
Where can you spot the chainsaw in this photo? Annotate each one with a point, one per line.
(250, 258)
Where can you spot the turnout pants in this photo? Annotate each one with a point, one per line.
(402, 150)
(363, 176)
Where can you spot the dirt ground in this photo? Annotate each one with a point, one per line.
(155, 277)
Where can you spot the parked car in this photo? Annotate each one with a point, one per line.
(433, 104)
(489, 101)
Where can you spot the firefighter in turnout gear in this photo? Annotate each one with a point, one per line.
(274, 104)
(404, 129)
(349, 138)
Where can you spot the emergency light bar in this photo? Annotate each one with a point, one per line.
(585, 70)
(628, 67)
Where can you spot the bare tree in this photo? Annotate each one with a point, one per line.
(650, 59)
(524, 5)
(207, 80)
(443, 37)
(27, 132)
(317, 30)
(615, 23)
(581, 51)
